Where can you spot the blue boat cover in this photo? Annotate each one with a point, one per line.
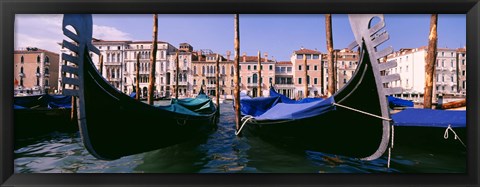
(397, 102)
(133, 94)
(45, 100)
(280, 107)
(430, 118)
(199, 106)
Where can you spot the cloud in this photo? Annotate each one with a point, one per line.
(45, 31)
(109, 33)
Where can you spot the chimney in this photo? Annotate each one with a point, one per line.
(244, 56)
(265, 54)
(228, 55)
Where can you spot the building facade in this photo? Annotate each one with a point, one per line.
(35, 71)
(314, 72)
(284, 78)
(449, 72)
(346, 62)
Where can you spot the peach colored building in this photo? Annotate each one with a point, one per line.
(35, 71)
(346, 62)
(249, 77)
(204, 73)
(314, 70)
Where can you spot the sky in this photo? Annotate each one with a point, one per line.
(277, 34)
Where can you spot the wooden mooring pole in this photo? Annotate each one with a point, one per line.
(430, 59)
(306, 75)
(101, 64)
(331, 75)
(151, 85)
(217, 81)
(177, 69)
(236, 76)
(138, 91)
(259, 91)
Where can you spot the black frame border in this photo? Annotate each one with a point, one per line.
(8, 9)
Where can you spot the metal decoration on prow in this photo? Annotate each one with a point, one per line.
(81, 43)
(373, 36)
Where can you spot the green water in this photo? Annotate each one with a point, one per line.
(223, 152)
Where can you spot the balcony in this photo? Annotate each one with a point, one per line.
(252, 84)
(284, 85)
(47, 75)
(37, 74)
(21, 74)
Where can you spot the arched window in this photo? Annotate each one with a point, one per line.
(203, 82)
(223, 70)
(47, 59)
(108, 57)
(125, 79)
(118, 57)
(203, 69)
(46, 82)
(38, 81)
(38, 59)
(47, 71)
(38, 69)
(21, 59)
(194, 70)
(231, 70)
(180, 78)
(113, 58)
(255, 77)
(194, 82)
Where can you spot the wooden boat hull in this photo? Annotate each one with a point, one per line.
(116, 125)
(340, 131)
(112, 124)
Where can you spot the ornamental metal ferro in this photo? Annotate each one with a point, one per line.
(373, 36)
(77, 28)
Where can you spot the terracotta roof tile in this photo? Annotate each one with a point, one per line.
(307, 51)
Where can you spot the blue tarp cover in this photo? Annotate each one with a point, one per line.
(430, 118)
(45, 100)
(280, 107)
(397, 102)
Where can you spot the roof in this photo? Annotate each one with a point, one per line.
(253, 59)
(307, 51)
(284, 63)
(33, 52)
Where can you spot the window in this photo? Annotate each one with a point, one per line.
(46, 82)
(308, 79)
(248, 80)
(463, 62)
(344, 72)
(223, 70)
(203, 82)
(443, 78)
(47, 71)
(38, 59)
(451, 64)
(308, 67)
(270, 67)
(47, 60)
(406, 69)
(299, 67)
(315, 81)
(118, 48)
(299, 56)
(463, 72)
(309, 56)
(203, 69)
(315, 67)
(248, 67)
(38, 82)
(254, 67)
(22, 59)
(443, 63)
(451, 78)
(194, 70)
(299, 80)
(316, 56)
(231, 70)
(108, 47)
(344, 81)
(270, 80)
(38, 69)
(289, 69)
(463, 85)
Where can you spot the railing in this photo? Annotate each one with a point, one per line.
(47, 74)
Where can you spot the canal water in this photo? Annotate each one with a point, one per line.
(222, 152)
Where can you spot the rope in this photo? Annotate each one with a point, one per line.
(389, 156)
(445, 135)
(363, 112)
(246, 118)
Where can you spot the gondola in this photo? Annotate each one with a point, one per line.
(353, 122)
(113, 124)
(38, 115)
